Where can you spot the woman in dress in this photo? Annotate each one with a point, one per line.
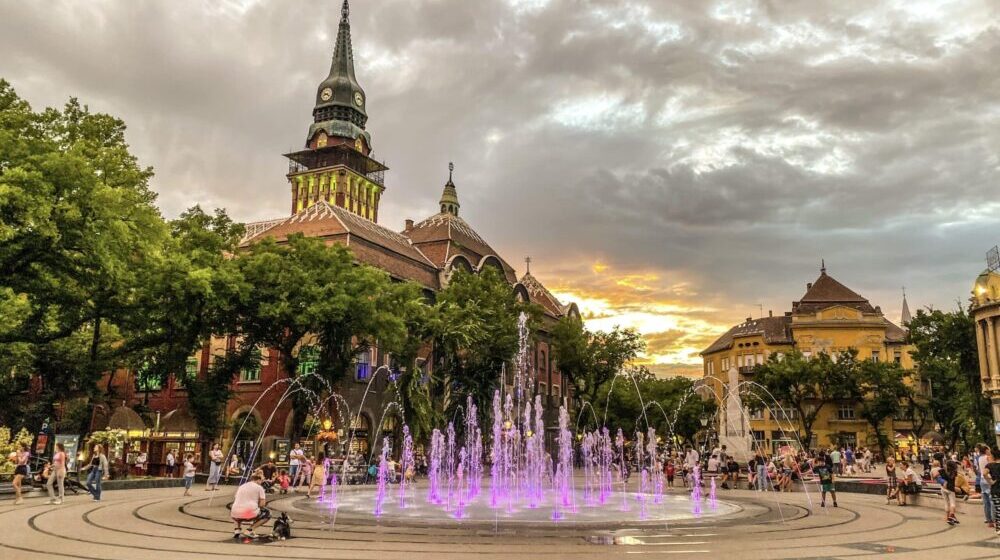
(318, 476)
(20, 458)
(214, 468)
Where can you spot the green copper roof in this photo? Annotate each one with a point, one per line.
(449, 198)
(339, 96)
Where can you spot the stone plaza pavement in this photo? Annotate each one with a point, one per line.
(161, 523)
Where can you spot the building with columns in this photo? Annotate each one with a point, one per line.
(986, 312)
(335, 187)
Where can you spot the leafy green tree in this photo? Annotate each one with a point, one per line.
(880, 391)
(78, 228)
(948, 362)
(638, 401)
(806, 385)
(590, 360)
(473, 329)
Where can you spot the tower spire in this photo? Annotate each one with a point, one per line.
(339, 97)
(905, 316)
(449, 197)
(822, 266)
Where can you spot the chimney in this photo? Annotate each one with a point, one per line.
(809, 285)
(749, 319)
(409, 225)
(770, 313)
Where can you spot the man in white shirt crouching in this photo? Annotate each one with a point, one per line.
(248, 506)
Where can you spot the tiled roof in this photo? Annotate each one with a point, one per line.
(323, 219)
(253, 229)
(825, 292)
(445, 227)
(540, 295)
(775, 330)
(894, 333)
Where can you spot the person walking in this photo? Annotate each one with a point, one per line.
(892, 482)
(189, 471)
(835, 461)
(171, 462)
(20, 458)
(318, 477)
(983, 460)
(946, 477)
(295, 458)
(57, 475)
(97, 471)
(992, 476)
(214, 468)
(825, 475)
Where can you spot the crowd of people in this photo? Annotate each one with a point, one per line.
(975, 474)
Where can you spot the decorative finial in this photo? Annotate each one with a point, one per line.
(451, 169)
(527, 265)
(822, 266)
(345, 10)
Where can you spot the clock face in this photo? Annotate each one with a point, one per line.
(359, 100)
(326, 94)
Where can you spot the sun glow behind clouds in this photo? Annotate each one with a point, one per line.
(675, 325)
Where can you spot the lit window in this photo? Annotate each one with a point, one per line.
(362, 366)
(308, 360)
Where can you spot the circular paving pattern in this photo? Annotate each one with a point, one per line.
(144, 524)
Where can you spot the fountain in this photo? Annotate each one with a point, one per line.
(529, 481)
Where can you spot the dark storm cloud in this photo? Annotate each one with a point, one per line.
(728, 145)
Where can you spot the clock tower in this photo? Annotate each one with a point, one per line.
(336, 165)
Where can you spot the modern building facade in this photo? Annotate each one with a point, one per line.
(829, 318)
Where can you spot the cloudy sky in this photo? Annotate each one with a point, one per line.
(671, 165)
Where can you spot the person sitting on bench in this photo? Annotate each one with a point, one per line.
(248, 507)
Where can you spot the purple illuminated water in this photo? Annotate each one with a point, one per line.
(383, 476)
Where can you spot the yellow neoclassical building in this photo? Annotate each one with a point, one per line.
(986, 312)
(829, 318)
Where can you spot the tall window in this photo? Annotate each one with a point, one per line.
(555, 391)
(845, 412)
(543, 389)
(190, 370)
(875, 355)
(251, 373)
(146, 380)
(897, 357)
(308, 360)
(362, 366)
(421, 369)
